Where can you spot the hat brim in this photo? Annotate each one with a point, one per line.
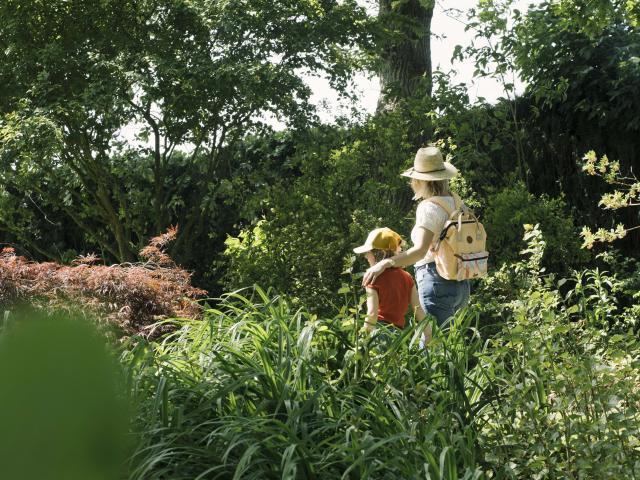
(363, 249)
(448, 172)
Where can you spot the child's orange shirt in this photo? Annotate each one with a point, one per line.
(394, 287)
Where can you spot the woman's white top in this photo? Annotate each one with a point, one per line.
(432, 217)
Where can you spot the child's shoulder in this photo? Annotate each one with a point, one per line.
(406, 275)
(396, 274)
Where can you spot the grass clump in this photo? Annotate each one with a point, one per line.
(259, 390)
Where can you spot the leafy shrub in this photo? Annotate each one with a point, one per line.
(572, 395)
(133, 296)
(508, 209)
(572, 389)
(342, 189)
(610, 293)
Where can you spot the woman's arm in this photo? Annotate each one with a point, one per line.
(372, 310)
(417, 252)
(419, 314)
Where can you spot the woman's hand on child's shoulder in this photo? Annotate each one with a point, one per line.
(373, 273)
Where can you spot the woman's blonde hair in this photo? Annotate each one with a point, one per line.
(429, 188)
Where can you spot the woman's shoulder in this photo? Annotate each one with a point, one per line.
(445, 198)
(433, 204)
(437, 198)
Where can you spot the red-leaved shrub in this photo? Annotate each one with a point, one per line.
(134, 296)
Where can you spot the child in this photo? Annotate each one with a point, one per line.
(388, 298)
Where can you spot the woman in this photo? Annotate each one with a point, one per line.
(430, 182)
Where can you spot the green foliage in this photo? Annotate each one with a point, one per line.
(25, 180)
(262, 389)
(626, 194)
(581, 56)
(570, 391)
(62, 397)
(579, 60)
(492, 54)
(623, 278)
(571, 383)
(189, 75)
(591, 61)
(346, 183)
(508, 209)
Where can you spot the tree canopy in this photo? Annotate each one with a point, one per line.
(192, 75)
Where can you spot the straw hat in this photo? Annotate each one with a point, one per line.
(428, 165)
(382, 239)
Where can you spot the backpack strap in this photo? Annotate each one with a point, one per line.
(459, 206)
(458, 210)
(443, 205)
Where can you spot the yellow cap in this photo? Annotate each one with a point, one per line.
(381, 238)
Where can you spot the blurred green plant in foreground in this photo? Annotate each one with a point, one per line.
(62, 407)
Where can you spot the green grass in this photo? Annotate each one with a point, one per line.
(259, 390)
(262, 390)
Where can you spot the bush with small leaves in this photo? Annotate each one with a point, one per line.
(132, 296)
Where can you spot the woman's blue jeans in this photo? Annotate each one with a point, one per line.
(439, 297)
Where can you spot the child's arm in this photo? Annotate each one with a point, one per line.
(372, 310)
(419, 313)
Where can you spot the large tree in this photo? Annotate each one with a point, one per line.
(405, 69)
(191, 75)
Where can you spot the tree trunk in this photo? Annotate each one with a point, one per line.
(406, 59)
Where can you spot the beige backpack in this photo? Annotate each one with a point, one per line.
(460, 249)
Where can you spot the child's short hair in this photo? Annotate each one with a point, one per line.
(380, 255)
